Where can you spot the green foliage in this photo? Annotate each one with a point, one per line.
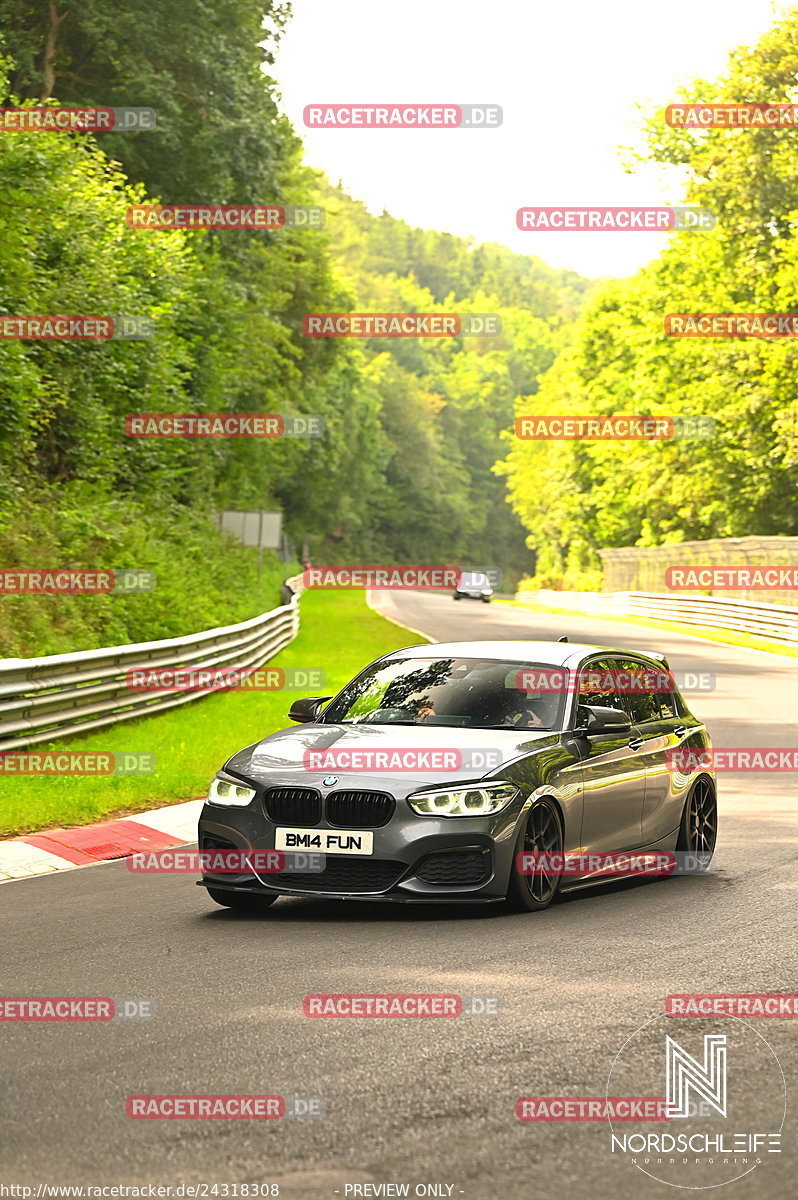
(575, 498)
(219, 134)
(413, 427)
(445, 266)
(443, 403)
(203, 579)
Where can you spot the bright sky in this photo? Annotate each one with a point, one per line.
(568, 75)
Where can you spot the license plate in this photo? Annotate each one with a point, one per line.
(325, 841)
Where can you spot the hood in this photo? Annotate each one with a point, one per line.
(419, 756)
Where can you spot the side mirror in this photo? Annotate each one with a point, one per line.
(598, 719)
(306, 709)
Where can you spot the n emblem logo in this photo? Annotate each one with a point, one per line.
(685, 1074)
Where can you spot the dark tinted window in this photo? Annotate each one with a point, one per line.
(645, 689)
(475, 693)
(597, 685)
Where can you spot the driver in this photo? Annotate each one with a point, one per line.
(531, 713)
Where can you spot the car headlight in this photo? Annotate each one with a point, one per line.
(222, 791)
(464, 802)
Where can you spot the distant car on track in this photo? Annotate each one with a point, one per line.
(577, 762)
(473, 585)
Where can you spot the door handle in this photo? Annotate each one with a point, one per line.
(635, 743)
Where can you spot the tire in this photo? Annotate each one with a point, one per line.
(542, 830)
(457, 596)
(486, 599)
(698, 830)
(243, 901)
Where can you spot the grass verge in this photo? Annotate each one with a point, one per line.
(339, 634)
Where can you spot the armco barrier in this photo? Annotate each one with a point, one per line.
(778, 622)
(62, 694)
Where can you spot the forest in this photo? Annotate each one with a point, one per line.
(418, 461)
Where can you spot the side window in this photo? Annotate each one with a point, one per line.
(667, 702)
(644, 691)
(597, 686)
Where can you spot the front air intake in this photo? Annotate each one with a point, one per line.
(293, 806)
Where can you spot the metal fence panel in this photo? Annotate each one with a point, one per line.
(642, 568)
(42, 699)
(778, 622)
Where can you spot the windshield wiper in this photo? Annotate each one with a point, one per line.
(344, 721)
(512, 728)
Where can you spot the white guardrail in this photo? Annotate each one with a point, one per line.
(774, 621)
(42, 699)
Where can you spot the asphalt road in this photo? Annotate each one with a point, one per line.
(407, 1101)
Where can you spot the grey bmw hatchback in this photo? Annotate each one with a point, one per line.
(440, 769)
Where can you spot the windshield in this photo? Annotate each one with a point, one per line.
(473, 580)
(474, 693)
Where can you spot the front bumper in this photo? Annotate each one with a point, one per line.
(415, 859)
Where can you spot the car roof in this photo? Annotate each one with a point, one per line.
(557, 654)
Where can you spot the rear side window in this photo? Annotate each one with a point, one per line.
(646, 690)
